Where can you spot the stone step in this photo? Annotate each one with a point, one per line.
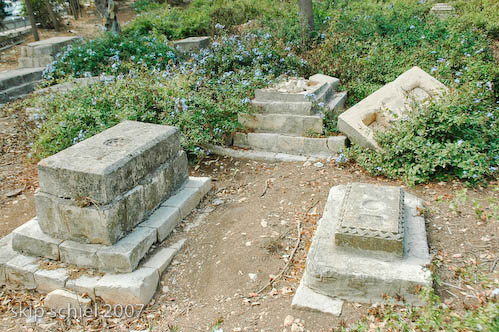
(137, 287)
(337, 103)
(35, 61)
(283, 107)
(124, 255)
(17, 92)
(274, 95)
(282, 123)
(294, 145)
(12, 78)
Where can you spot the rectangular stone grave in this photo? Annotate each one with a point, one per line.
(442, 10)
(99, 189)
(394, 101)
(43, 52)
(372, 219)
(392, 261)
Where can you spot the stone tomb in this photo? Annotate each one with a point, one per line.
(42, 53)
(288, 112)
(393, 102)
(442, 10)
(371, 241)
(192, 44)
(103, 204)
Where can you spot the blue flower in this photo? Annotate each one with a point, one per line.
(457, 80)
(460, 142)
(412, 27)
(434, 69)
(492, 168)
(245, 101)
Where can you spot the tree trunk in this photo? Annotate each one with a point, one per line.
(53, 18)
(29, 9)
(306, 14)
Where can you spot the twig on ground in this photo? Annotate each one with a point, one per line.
(453, 286)
(266, 187)
(287, 264)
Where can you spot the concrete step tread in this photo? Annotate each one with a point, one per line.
(18, 91)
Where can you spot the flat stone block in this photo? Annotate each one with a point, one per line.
(372, 218)
(61, 299)
(30, 240)
(42, 61)
(124, 256)
(390, 103)
(108, 164)
(283, 107)
(263, 141)
(336, 144)
(291, 144)
(83, 285)
(294, 90)
(442, 10)
(363, 275)
(307, 299)
(20, 271)
(137, 287)
(80, 254)
(192, 44)
(202, 183)
(50, 280)
(163, 220)
(25, 62)
(180, 169)
(68, 219)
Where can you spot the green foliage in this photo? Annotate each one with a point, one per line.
(110, 54)
(483, 14)
(199, 18)
(202, 96)
(455, 138)
(146, 5)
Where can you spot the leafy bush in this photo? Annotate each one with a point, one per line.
(109, 54)
(201, 96)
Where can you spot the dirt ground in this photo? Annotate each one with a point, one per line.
(243, 233)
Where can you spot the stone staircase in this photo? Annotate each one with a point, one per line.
(19, 82)
(289, 113)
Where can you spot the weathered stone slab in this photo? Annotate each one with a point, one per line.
(80, 254)
(294, 90)
(105, 224)
(137, 287)
(43, 52)
(296, 145)
(109, 164)
(362, 275)
(162, 257)
(282, 123)
(50, 280)
(307, 299)
(390, 103)
(442, 10)
(29, 239)
(124, 256)
(20, 271)
(192, 44)
(372, 218)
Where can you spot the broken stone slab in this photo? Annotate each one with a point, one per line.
(29, 239)
(61, 299)
(307, 299)
(192, 44)
(50, 280)
(442, 10)
(108, 164)
(365, 276)
(391, 103)
(282, 123)
(295, 90)
(137, 287)
(20, 271)
(297, 145)
(83, 285)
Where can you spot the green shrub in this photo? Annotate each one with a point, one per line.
(202, 96)
(109, 54)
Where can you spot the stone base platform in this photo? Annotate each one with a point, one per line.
(366, 276)
(293, 145)
(123, 256)
(307, 299)
(137, 287)
(43, 52)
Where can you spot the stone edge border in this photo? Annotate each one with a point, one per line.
(262, 155)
